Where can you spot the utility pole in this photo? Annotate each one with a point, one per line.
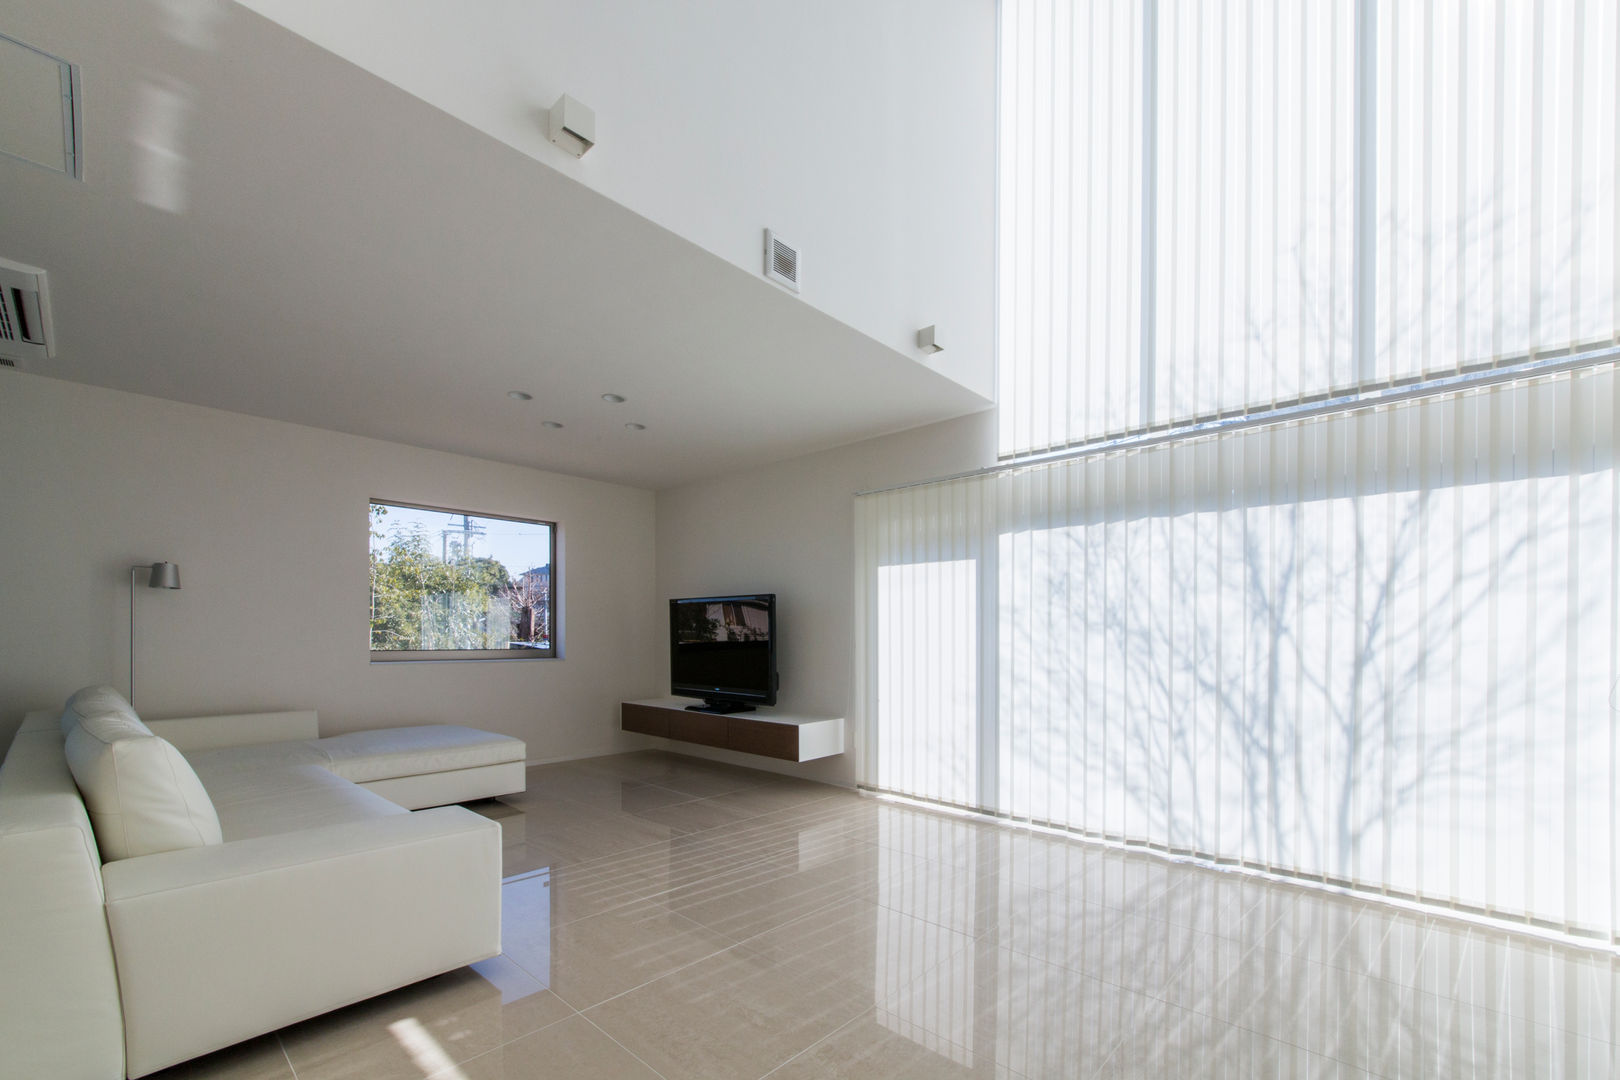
(468, 531)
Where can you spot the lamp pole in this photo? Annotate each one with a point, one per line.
(165, 575)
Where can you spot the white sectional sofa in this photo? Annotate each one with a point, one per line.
(172, 888)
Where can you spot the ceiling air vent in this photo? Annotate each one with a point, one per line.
(25, 315)
(781, 261)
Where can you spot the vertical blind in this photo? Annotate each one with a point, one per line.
(1376, 648)
(1211, 208)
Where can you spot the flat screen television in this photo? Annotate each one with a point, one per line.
(723, 649)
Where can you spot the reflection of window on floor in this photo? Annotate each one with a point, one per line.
(425, 1051)
(924, 915)
(524, 966)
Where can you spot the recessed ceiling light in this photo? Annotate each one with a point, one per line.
(613, 399)
(519, 395)
(550, 424)
(633, 426)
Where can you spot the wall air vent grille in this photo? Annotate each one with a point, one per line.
(785, 262)
(25, 314)
(781, 261)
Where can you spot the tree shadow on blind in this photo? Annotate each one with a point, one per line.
(1330, 651)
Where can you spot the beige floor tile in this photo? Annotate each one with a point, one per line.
(573, 1049)
(570, 781)
(580, 890)
(961, 899)
(733, 1015)
(633, 765)
(881, 948)
(878, 1044)
(1028, 1017)
(707, 783)
(1121, 948)
(1227, 905)
(1188, 1045)
(256, 1059)
(512, 820)
(694, 858)
(458, 1015)
(494, 809)
(764, 896)
(689, 814)
(587, 833)
(689, 861)
(942, 838)
(513, 982)
(525, 858)
(536, 799)
(678, 772)
(593, 959)
(766, 798)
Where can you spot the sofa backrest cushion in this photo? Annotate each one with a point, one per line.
(142, 795)
(95, 701)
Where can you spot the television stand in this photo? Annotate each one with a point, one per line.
(725, 708)
(767, 732)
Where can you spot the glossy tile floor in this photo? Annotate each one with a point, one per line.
(666, 916)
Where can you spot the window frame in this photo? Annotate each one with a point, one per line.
(405, 656)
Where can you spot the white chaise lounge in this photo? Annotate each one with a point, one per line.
(156, 905)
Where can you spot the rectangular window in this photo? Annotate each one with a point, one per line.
(450, 585)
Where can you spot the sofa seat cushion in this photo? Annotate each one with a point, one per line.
(365, 756)
(279, 788)
(142, 795)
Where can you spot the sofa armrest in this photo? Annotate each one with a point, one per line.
(236, 729)
(41, 720)
(218, 944)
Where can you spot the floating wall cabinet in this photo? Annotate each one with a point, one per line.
(765, 731)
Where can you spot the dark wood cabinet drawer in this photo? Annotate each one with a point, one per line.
(644, 719)
(764, 738)
(766, 733)
(705, 728)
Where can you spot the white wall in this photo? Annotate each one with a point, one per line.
(790, 529)
(864, 133)
(268, 524)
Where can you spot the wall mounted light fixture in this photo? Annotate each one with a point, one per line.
(571, 126)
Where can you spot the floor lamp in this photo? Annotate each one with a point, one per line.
(165, 575)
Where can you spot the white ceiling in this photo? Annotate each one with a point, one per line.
(265, 228)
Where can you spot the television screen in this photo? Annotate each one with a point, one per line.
(723, 648)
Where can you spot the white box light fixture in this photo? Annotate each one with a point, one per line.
(572, 126)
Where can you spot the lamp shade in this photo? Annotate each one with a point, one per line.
(165, 575)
